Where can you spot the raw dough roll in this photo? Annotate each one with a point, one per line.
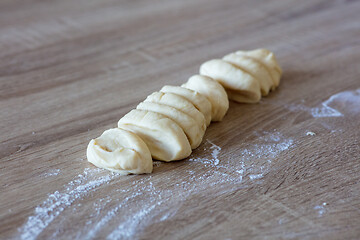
(214, 92)
(120, 151)
(180, 104)
(253, 67)
(187, 123)
(240, 85)
(268, 59)
(164, 138)
(196, 98)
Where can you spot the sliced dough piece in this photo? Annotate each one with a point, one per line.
(214, 92)
(120, 151)
(164, 138)
(196, 98)
(187, 123)
(244, 87)
(254, 68)
(180, 104)
(268, 59)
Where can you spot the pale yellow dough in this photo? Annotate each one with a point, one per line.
(172, 122)
(213, 91)
(120, 151)
(190, 127)
(196, 98)
(253, 67)
(164, 138)
(181, 104)
(268, 59)
(239, 84)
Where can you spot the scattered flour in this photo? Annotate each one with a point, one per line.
(215, 152)
(325, 110)
(266, 147)
(255, 176)
(337, 105)
(108, 216)
(320, 209)
(144, 201)
(128, 228)
(53, 172)
(310, 134)
(256, 159)
(58, 201)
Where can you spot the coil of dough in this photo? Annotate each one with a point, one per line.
(253, 67)
(246, 75)
(240, 85)
(164, 138)
(172, 122)
(180, 104)
(268, 59)
(196, 98)
(187, 123)
(120, 151)
(213, 91)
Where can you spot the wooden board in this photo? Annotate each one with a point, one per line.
(285, 168)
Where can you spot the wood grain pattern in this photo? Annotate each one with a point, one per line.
(69, 70)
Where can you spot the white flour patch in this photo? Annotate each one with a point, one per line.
(215, 151)
(320, 209)
(253, 160)
(108, 216)
(58, 201)
(128, 228)
(53, 172)
(256, 159)
(325, 110)
(338, 105)
(255, 176)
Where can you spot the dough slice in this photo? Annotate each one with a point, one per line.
(180, 104)
(253, 67)
(242, 86)
(187, 123)
(164, 138)
(214, 92)
(196, 98)
(120, 151)
(268, 59)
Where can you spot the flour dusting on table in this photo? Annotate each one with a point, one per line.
(145, 201)
(337, 105)
(57, 201)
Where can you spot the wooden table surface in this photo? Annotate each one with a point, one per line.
(286, 168)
